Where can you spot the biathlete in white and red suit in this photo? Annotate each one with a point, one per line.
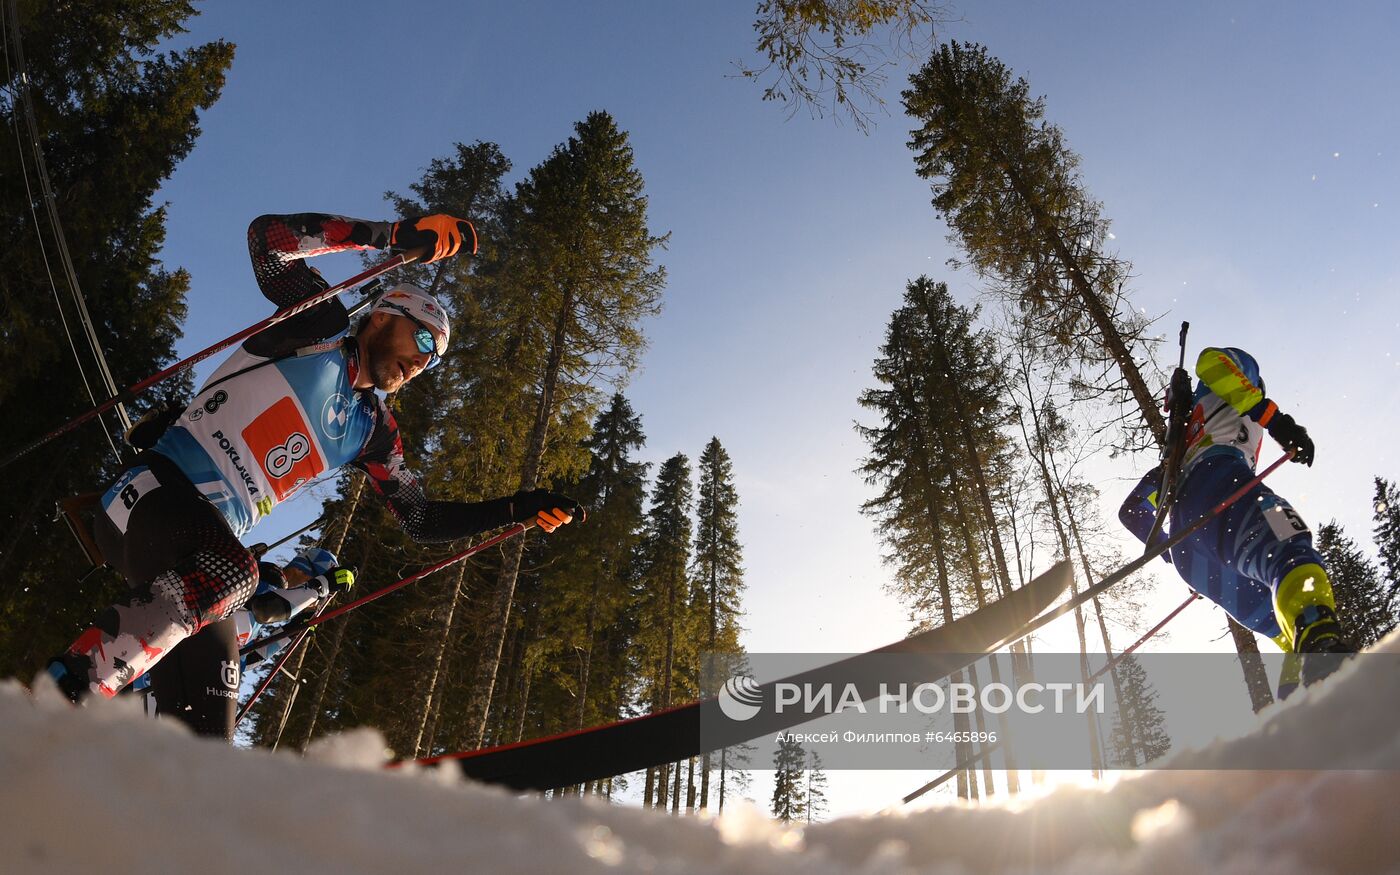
(293, 402)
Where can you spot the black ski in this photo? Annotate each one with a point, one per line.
(673, 735)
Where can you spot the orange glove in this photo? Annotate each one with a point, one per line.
(547, 509)
(441, 234)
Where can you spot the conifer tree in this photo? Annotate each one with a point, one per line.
(579, 253)
(1385, 506)
(669, 627)
(1139, 734)
(910, 462)
(717, 567)
(1007, 185)
(113, 118)
(815, 789)
(1367, 611)
(584, 592)
(789, 801)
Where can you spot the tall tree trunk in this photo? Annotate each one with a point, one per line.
(295, 670)
(974, 462)
(723, 774)
(323, 683)
(587, 667)
(1102, 319)
(1255, 678)
(435, 671)
(495, 634)
(1040, 453)
(1126, 714)
(974, 568)
(714, 629)
(526, 681)
(676, 790)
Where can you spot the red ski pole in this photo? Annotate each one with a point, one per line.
(1108, 666)
(130, 393)
(293, 628)
(267, 681)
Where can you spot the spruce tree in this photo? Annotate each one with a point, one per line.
(1366, 610)
(669, 627)
(815, 789)
(1385, 506)
(585, 583)
(717, 567)
(911, 462)
(1139, 734)
(113, 117)
(789, 801)
(1007, 185)
(579, 263)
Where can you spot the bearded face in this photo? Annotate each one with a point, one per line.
(389, 354)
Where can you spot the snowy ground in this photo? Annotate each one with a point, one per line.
(104, 790)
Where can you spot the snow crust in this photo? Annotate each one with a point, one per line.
(104, 789)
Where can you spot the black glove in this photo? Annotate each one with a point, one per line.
(1292, 436)
(549, 510)
(441, 234)
(333, 582)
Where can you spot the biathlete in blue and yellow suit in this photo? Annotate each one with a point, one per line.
(1256, 559)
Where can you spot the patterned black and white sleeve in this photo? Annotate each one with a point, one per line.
(424, 520)
(279, 247)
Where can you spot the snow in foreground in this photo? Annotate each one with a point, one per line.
(104, 790)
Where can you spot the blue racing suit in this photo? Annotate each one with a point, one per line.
(1237, 559)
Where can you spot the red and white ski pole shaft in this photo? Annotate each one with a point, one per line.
(267, 681)
(293, 628)
(1108, 666)
(1141, 562)
(135, 389)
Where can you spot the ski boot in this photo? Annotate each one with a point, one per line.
(1321, 643)
(70, 672)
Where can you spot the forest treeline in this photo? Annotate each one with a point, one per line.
(981, 417)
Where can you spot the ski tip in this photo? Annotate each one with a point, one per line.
(1062, 573)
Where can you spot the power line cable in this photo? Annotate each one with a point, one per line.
(20, 85)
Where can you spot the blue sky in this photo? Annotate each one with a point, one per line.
(1246, 153)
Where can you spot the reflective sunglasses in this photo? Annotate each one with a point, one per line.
(421, 336)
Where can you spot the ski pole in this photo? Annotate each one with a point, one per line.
(267, 681)
(1141, 562)
(293, 628)
(135, 389)
(966, 763)
(261, 550)
(1145, 636)
(989, 748)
